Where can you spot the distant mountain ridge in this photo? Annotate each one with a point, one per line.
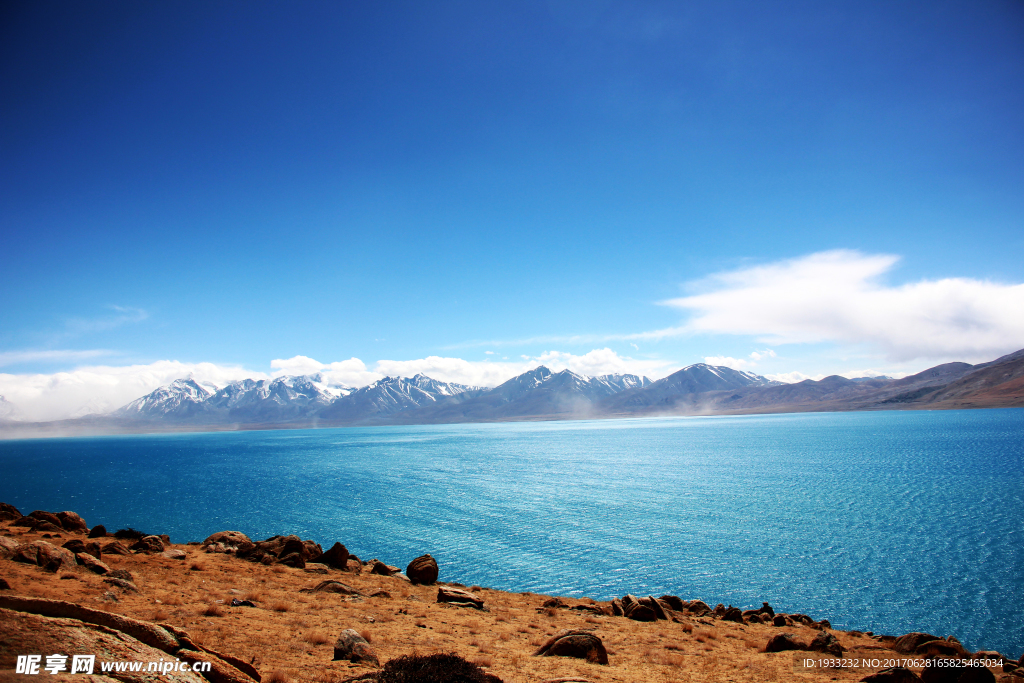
(540, 394)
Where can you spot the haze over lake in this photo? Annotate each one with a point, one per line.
(883, 521)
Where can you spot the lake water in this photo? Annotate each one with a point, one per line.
(885, 521)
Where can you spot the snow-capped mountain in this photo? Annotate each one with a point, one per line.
(181, 399)
(392, 395)
(269, 400)
(535, 393)
(683, 385)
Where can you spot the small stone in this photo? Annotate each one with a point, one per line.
(126, 586)
(827, 643)
(123, 574)
(148, 544)
(574, 643)
(457, 596)
(92, 564)
(353, 647)
(783, 642)
(235, 602)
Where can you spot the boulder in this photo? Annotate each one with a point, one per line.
(674, 602)
(148, 544)
(460, 597)
(331, 587)
(782, 620)
(45, 555)
(116, 548)
(44, 516)
(8, 512)
(827, 643)
(7, 546)
(733, 614)
(92, 564)
(293, 560)
(174, 554)
(231, 539)
(948, 648)
(354, 565)
(422, 570)
(353, 647)
(337, 557)
(895, 674)
(767, 609)
(642, 609)
(126, 586)
(121, 574)
(907, 643)
(574, 643)
(4, 586)
(98, 531)
(72, 521)
(75, 545)
(379, 568)
(698, 607)
(783, 642)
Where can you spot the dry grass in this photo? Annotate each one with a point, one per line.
(280, 606)
(317, 638)
(212, 610)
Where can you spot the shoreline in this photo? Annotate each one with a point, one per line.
(648, 638)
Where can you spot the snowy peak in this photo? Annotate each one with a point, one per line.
(393, 395)
(179, 398)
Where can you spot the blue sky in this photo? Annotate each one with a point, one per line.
(212, 187)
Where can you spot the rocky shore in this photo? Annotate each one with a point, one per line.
(285, 610)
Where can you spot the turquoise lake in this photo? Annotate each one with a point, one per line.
(885, 521)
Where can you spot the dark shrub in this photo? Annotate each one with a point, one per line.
(129, 534)
(439, 668)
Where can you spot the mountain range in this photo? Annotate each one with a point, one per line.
(538, 394)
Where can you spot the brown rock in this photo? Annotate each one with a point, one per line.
(4, 586)
(92, 564)
(72, 521)
(733, 614)
(574, 643)
(45, 555)
(783, 642)
(44, 516)
(458, 596)
(116, 548)
(126, 586)
(331, 587)
(231, 539)
(767, 609)
(121, 574)
(698, 607)
(422, 570)
(674, 602)
(7, 546)
(942, 647)
(148, 544)
(93, 548)
(907, 643)
(8, 512)
(827, 643)
(174, 554)
(939, 672)
(293, 560)
(354, 565)
(336, 556)
(353, 647)
(896, 674)
(98, 531)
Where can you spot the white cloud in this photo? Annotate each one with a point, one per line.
(347, 373)
(793, 377)
(837, 296)
(104, 388)
(729, 362)
(761, 355)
